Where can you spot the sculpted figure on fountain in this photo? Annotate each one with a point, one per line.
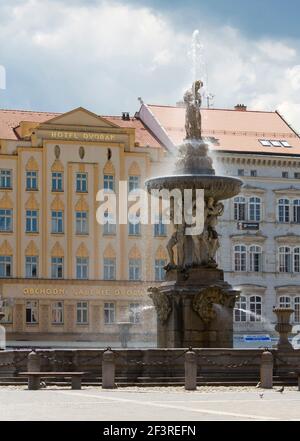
(192, 99)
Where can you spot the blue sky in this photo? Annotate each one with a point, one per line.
(103, 54)
(253, 17)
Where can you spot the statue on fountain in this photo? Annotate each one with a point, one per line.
(193, 100)
(194, 304)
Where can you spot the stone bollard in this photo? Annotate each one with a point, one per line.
(108, 370)
(266, 370)
(33, 365)
(190, 367)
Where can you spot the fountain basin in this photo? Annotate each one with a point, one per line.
(218, 187)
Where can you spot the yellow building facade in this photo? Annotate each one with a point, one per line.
(63, 276)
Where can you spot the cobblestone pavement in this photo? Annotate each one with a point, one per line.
(154, 404)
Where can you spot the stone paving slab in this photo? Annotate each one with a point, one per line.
(149, 404)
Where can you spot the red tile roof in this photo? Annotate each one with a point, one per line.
(10, 119)
(235, 130)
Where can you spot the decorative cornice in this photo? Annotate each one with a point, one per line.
(257, 237)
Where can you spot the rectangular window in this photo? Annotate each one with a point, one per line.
(32, 221)
(57, 181)
(134, 313)
(5, 179)
(285, 175)
(82, 224)
(134, 229)
(81, 183)
(285, 144)
(57, 222)
(133, 183)
(82, 267)
(31, 180)
(32, 312)
(253, 173)
(109, 227)
(5, 266)
(160, 229)
(297, 175)
(82, 313)
(57, 267)
(6, 220)
(31, 266)
(135, 269)
(109, 313)
(109, 269)
(7, 309)
(57, 313)
(160, 271)
(241, 172)
(108, 183)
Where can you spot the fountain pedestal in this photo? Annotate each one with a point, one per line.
(195, 308)
(284, 328)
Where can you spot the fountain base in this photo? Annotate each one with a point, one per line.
(194, 308)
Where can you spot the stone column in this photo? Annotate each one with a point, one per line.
(33, 365)
(108, 370)
(190, 367)
(266, 370)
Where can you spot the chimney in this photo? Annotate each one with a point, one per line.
(241, 108)
(126, 116)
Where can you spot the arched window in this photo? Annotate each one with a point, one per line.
(240, 209)
(296, 260)
(285, 302)
(240, 310)
(285, 260)
(240, 258)
(255, 209)
(255, 309)
(255, 258)
(284, 210)
(296, 211)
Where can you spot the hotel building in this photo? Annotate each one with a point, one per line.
(63, 276)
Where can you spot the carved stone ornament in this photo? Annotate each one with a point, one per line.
(81, 152)
(204, 301)
(57, 151)
(162, 304)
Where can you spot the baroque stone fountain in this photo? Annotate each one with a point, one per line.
(195, 305)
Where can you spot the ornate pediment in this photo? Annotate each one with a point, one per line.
(82, 251)
(109, 252)
(79, 117)
(57, 204)
(6, 249)
(6, 203)
(82, 204)
(31, 249)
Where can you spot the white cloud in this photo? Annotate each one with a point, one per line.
(103, 54)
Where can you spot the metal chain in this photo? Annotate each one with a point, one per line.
(229, 366)
(142, 363)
